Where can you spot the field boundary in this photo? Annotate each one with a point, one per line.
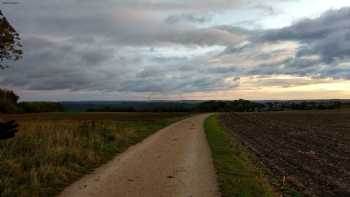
(279, 184)
(237, 176)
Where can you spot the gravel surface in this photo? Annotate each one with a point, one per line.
(175, 161)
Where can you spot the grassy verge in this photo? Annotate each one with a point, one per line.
(237, 177)
(48, 155)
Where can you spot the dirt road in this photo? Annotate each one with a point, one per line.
(175, 161)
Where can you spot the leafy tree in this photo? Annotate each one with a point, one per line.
(10, 43)
(8, 95)
(10, 50)
(8, 101)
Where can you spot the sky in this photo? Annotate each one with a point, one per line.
(180, 49)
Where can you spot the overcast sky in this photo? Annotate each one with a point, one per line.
(180, 49)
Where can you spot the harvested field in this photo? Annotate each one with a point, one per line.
(307, 151)
(52, 150)
(95, 116)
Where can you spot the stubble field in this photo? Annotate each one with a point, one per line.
(52, 150)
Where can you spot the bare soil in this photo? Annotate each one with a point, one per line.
(309, 151)
(175, 161)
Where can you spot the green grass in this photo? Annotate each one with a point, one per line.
(49, 154)
(237, 176)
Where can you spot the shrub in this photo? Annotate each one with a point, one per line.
(38, 107)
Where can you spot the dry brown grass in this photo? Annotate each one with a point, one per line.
(49, 154)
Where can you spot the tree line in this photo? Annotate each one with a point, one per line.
(9, 104)
(240, 105)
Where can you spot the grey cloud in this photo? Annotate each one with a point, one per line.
(72, 65)
(178, 83)
(231, 71)
(301, 67)
(56, 66)
(192, 18)
(119, 22)
(332, 47)
(287, 82)
(78, 45)
(327, 36)
(324, 45)
(183, 78)
(233, 49)
(193, 5)
(290, 66)
(313, 29)
(267, 9)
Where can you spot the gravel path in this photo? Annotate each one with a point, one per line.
(175, 161)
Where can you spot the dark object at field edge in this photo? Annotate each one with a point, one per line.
(8, 130)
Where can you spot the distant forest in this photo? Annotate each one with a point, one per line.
(9, 104)
(205, 106)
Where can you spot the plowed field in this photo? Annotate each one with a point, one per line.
(308, 151)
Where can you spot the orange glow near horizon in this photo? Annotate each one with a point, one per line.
(267, 88)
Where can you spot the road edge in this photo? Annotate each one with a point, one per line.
(236, 175)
